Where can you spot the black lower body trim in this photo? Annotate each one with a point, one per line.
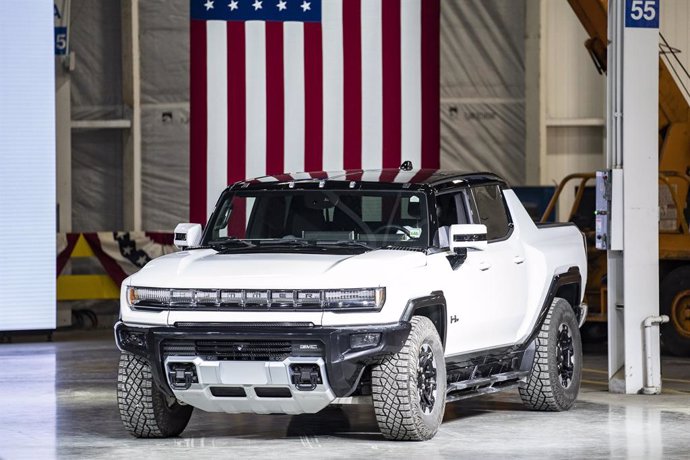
(344, 365)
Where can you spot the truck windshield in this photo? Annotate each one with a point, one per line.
(362, 217)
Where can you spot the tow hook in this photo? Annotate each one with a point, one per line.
(182, 375)
(305, 377)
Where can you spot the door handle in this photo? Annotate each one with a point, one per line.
(484, 266)
(518, 259)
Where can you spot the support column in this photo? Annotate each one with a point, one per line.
(535, 125)
(131, 95)
(633, 154)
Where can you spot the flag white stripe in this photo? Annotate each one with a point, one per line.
(255, 73)
(301, 176)
(216, 111)
(371, 176)
(293, 78)
(411, 81)
(404, 176)
(372, 85)
(332, 45)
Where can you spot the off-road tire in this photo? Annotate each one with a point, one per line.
(674, 336)
(397, 402)
(145, 410)
(544, 389)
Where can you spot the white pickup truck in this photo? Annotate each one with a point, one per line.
(404, 289)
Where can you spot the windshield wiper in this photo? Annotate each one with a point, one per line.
(350, 243)
(226, 243)
(286, 242)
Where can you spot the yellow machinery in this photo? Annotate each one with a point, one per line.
(85, 287)
(674, 184)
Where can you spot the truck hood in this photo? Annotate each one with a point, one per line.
(206, 268)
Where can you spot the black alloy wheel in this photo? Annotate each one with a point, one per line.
(564, 355)
(426, 378)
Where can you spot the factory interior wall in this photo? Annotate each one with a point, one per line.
(482, 103)
(483, 87)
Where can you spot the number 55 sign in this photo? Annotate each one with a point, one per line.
(642, 13)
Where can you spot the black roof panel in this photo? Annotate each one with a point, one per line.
(413, 179)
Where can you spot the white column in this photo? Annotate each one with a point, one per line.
(633, 146)
(131, 95)
(535, 104)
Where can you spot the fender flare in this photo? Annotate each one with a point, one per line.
(569, 277)
(436, 300)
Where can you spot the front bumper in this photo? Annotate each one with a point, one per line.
(341, 366)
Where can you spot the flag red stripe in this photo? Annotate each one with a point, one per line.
(392, 84)
(319, 174)
(388, 175)
(197, 129)
(275, 98)
(352, 84)
(313, 97)
(431, 67)
(237, 139)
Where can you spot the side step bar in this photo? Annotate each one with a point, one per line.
(493, 384)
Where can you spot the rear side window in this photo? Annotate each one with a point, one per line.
(492, 211)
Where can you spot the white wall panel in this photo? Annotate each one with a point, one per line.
(575, 94)
(574, 88)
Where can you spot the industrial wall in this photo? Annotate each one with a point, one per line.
(575, 94)
(482, 90)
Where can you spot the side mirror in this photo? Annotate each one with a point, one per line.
(467, 236)
(187, 235)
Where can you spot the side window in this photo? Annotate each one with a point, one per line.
(450, 210)
(492, 211)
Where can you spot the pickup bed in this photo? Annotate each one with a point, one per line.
(404, 289)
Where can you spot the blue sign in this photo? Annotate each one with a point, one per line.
(60, 41)
(642, 14)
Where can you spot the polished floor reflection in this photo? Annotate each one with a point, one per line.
(57, 400)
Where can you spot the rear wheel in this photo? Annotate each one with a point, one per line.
(554, 380)
(675, 302)
(145, 410)
(409, 388)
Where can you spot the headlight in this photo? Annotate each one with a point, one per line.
(372, 298)
(144, 298)
(148, 296)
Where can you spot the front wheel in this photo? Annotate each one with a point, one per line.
(145, 410)
(554, 380)
(409, 388)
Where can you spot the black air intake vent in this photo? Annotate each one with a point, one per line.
(232, 350)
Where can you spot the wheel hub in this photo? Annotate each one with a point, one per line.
(680, 313)
(564, 354)
(426, 378)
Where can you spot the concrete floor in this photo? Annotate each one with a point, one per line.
(57, 400)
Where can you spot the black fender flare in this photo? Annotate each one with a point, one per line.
(434, 300)
(570, 277)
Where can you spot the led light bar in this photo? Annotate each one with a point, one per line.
(144, 298)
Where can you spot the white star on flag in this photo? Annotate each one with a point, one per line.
(281, 5)
(305, 6)
(232, 5)
(141, 260)
(257, 5)
(208, 5)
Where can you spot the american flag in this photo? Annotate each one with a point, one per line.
(310, 85)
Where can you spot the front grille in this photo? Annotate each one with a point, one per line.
(239, 350)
